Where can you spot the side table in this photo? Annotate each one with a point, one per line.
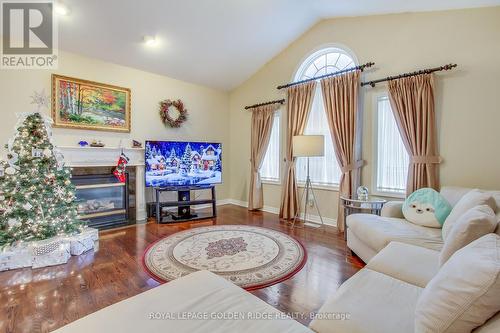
(372, 205)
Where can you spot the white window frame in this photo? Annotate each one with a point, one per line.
(271, 181)
(303, 65)
(389, 194)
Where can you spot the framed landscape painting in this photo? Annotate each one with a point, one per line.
(89, 105)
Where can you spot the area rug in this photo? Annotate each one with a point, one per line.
(250, 257)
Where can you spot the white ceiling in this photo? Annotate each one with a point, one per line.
(217, 43)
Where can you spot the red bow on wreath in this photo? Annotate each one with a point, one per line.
(165, 116)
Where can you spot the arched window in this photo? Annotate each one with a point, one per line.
(324, 171)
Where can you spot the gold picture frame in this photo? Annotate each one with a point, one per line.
(89, 105)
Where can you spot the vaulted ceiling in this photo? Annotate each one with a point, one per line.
(217, 43)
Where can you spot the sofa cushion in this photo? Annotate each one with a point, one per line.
(426, 207)
(371, 302)
(491, 326)
(198, 294)
(475, 223)
(409, 263)
(379, 231)
(470, 200)
(466, 291)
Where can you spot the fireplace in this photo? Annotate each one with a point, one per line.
(87, 161)
(102, 200)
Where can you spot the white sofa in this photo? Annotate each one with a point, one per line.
(380, 298)
(198, 302)
(369, 234)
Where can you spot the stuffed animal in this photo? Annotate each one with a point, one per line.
(426, 207)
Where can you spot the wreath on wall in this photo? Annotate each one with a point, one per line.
(166, 117)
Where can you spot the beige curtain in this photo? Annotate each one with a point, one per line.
(299, 102)
(262, 124)
(412, 102)
(340, 96)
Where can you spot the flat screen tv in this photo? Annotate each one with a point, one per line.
(177, 163)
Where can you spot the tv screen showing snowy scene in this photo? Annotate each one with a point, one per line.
(174, 163)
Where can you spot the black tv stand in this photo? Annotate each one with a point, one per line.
(183, 204)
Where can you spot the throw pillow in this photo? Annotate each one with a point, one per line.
(475, 223)
(426, 207)
(470, 200)
(465, 292)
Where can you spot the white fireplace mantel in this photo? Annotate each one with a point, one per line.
(81, 157)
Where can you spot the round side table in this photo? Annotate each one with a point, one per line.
(354, 206)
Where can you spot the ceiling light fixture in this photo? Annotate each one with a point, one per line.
(150, 40)
(61, 9)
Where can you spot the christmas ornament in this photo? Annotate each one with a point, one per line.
(11, 223)
(165, 113)
(119, 171)
(47, 152)
(36, 153)
(41, 99)
(10, 171)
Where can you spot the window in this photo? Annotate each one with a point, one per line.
(392, 158)
(270, 169)
(324, 171)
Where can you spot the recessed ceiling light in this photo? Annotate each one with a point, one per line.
(61, 9)
(150, 40)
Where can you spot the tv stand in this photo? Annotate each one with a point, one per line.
(183, 203)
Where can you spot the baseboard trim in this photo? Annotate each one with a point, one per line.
(274, 210)
(219, 203)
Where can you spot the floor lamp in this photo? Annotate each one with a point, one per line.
(308, 146)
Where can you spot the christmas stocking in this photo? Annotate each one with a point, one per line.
(120, 168)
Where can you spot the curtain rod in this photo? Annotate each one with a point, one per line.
(279, 101)
(423, 71)
(360, 67)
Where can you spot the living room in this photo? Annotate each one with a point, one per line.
(282, 166)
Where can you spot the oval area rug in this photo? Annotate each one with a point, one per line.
(250, 257)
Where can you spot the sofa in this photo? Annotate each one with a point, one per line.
(198, 302)
(383, 296)
(380, 298)
(405, 287)
(368, 234)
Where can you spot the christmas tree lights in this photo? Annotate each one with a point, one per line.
(37, 198)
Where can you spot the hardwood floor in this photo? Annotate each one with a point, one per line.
(44, 299)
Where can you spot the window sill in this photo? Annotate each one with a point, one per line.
(334, 188)
(270, 182)
(394, 195)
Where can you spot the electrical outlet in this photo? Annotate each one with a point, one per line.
(311, 202)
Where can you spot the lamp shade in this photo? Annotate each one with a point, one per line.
(308, 145)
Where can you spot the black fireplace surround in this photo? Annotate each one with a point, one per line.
(102, 200)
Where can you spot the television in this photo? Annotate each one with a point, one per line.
(178, 163)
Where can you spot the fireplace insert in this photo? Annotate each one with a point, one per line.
(102, 200)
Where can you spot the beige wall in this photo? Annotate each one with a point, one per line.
(467, 99)
(208, 108)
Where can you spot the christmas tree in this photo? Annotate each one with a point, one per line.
(186, 159)
(172, 154)
(218, 165)
(36, 195)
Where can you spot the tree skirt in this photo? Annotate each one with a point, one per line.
(250, 257)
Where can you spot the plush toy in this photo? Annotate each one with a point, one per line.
(426, 207)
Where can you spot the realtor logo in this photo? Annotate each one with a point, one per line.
(29, 35)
